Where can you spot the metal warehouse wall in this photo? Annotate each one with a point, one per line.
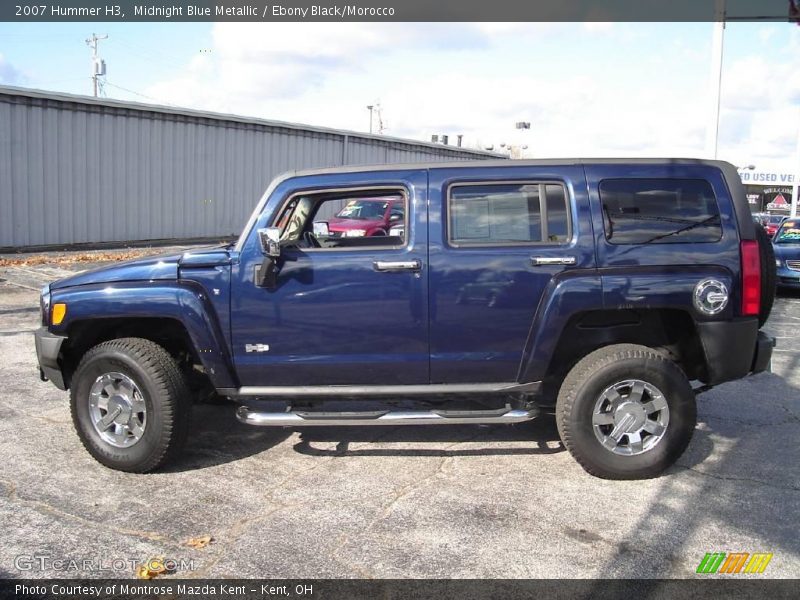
(74, 169)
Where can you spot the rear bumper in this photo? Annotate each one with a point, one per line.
(734, 349)
(48, 347)
(763, 357)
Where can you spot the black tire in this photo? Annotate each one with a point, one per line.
(163, 389)
(769, 274)
(584, 385)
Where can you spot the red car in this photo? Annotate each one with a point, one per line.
(367, 217)
(771, 223)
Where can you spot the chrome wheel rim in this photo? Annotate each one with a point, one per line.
(117, 410)
(630, 417)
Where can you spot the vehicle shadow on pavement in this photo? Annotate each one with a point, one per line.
(540, 437)
(217, 438)
(741, 472)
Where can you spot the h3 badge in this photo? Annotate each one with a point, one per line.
(256, 347)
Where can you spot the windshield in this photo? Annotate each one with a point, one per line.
(789, 233)
(774, 220)
(363, 209)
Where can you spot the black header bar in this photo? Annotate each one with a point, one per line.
(393, 10)
(731, 588)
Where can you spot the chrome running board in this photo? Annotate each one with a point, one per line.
(387, 417)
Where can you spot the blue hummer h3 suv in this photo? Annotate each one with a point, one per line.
(612, 290)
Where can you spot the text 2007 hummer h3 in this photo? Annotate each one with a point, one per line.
(602, 286)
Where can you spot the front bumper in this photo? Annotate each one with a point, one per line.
(787, 277)
(734, 349)
(48, 347)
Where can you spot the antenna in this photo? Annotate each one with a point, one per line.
(98, 64)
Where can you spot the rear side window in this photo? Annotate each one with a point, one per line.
(659, 211)
(500, 214)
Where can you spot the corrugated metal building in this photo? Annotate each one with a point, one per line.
(75, 169)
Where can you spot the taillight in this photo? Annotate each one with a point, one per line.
(751, 278)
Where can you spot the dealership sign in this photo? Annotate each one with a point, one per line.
(779, 202)
(770, 191)
(767, 177)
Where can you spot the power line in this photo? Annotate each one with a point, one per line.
(148, 55)
(119, 87)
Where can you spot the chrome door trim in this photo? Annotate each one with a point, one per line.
(381, 390)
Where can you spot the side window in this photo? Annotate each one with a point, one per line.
(507, 214)
(659, 211)
(341, 220)
(557, 217)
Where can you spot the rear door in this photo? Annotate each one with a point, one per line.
(498, 236)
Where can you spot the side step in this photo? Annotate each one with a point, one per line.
(387, 417)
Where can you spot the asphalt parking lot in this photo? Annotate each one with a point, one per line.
(457, 501)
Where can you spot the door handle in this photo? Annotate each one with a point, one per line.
(396, 266)
(538, 261)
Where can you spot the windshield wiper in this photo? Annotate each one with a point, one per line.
(706, 221)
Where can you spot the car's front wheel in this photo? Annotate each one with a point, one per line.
(626, 412)
(130, 404)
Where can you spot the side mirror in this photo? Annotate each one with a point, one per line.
(270, 239)
(321, 229)
(395, 217)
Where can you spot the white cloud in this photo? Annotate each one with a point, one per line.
(478, 79)
(760, 111)
(598, 26)
(9, 73)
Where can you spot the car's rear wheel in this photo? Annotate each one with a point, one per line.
(130, 404)
(626, 412)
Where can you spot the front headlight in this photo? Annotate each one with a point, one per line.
(355, 233)
(44, 304)
(778, 262)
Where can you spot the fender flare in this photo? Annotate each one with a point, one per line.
(565, 295)
(183, 301)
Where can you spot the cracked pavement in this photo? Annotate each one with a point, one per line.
(450, 501)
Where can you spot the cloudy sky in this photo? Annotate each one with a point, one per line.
(595, 89)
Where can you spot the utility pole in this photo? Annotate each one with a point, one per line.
(712, 130)
(796, 170)
(375, 109)
(380, 117)
(98, 64)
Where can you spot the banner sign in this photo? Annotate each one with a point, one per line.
(752, 177)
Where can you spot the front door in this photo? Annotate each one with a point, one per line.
(505, 233)
(349, 307)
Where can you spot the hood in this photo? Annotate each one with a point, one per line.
(339, 224)
(148, 268)
(787, 251)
